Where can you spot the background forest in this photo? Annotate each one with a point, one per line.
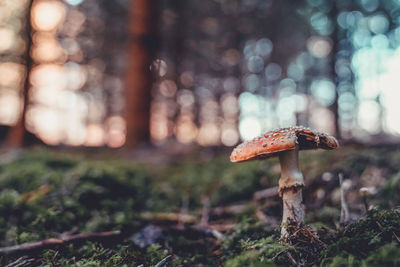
(220, 71)
(117, 119)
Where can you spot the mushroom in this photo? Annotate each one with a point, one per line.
(286, 143)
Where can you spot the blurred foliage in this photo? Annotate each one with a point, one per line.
(217, 179)
(44, 194)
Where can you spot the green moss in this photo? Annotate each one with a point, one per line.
(45, 193)
(371, 241)
(262, 252)
(366, 240)
(387, 255)
(219, 180)
(93, 254)
(326, 216)
(49, 193)
(389, 195)
(252, 244)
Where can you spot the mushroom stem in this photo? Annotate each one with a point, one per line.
(290, 189)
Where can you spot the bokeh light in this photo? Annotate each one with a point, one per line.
(47, 15)
(226, 75)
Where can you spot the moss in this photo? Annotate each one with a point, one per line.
(44, 194)
(372, 241)
(252, 244)
(326, 216)
(250, 258)
(240, 181)
(248, 229)
(267, 251)
(219, 180)
(48, 193)
(389, 194)
(93, 254)
(366, 240)
(387, 255)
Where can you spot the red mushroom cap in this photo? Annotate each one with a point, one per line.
(273, 142)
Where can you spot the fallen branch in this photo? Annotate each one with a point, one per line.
(294, 263)
(230, 210)
(26, 248)
(266, 193)
(264, 219)
(73, 231)
(168, 217)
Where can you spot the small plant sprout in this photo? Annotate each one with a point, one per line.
(365, 193)
(344, 209)
(286, 144)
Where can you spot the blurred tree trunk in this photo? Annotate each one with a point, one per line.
(17, 135)
(335, 50)
(143, 40)
(179, 50)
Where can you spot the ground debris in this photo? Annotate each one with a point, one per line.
(306, 243)
(29, 247)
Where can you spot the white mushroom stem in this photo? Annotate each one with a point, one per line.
(290, 189)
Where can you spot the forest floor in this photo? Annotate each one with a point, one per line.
(75, 209)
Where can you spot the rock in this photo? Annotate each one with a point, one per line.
(147, 236)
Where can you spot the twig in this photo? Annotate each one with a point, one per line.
(230, 210)
(304, 235)
(48, 243)
(263, 218)
(74, 230)
(398, 239)
(168, 217)
(253, 247)
(277, 254)
(163, 261)
(344, 210)
(266, 193)
(292, 259)
(22, 261)
(222, 228)
(217, 234)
